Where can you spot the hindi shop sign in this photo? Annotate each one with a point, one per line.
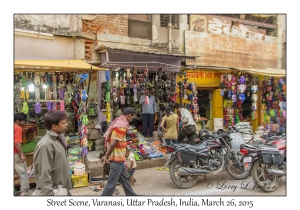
(203, 78)
(230, 51)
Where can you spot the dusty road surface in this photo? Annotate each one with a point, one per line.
(152, 182)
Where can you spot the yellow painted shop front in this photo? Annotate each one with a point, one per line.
(210, 101)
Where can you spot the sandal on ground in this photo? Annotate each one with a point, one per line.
(159, 168)
(116, 191)
(136, 157)
(141, 158)
(25, 193)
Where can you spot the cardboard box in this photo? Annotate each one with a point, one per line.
(80, 180)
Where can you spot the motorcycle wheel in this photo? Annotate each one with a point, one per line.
(265, 182)
(235, 171)
(182, 182)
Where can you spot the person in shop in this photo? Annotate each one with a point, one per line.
(159, 134)
(115, 140)
(137, 120)
(19, 157)
(51, 167)
(149, 108)
(120, 111)
(188, 123)
(170, 126)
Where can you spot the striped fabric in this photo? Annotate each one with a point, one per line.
(118, 154)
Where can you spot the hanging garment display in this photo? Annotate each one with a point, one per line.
(273, 100)
(235, 90)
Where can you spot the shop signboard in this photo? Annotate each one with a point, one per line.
(203, 78)
(213, 24)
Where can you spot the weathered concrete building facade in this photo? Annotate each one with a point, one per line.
(216, 40)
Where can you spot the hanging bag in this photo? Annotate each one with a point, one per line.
(37, 107)
(93, 134)
(92, 110)
(25, 107)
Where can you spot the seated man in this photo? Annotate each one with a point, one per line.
(159, 134)
(188, 124)
(137, 120)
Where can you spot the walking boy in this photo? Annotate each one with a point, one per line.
(130, 164)
(19, 157)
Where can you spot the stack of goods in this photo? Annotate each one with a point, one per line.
(131, 138)
(80, 177)
(74, 151)
(144, 150)
(274, 104)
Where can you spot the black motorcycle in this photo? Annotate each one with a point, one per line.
(187, 162)
(268, 162)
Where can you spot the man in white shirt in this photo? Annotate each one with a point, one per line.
(188, 124)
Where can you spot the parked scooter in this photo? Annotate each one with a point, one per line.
(187, 162)
(268, 162)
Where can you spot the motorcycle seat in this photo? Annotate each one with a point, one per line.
(268, 148)
(196, 147)
(247, 146)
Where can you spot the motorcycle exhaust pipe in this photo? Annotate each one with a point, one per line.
(192, 171)
(275, 172)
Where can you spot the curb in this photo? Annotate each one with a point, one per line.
(96, 168)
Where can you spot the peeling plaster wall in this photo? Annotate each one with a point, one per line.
(65, 25)
(61, 48)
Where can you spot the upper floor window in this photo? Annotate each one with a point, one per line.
(164, 20)
(139, 26)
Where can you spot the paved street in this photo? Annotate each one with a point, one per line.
(153, 182)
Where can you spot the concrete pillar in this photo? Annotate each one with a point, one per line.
(183, 25)
(155, 26)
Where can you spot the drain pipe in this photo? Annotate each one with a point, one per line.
(170, 34)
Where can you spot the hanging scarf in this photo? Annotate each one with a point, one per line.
(120, 122)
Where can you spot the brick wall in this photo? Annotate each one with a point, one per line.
(113, 24)
(88, 49)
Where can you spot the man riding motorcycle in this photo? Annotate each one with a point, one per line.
(188, 125)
